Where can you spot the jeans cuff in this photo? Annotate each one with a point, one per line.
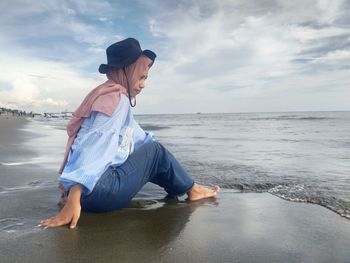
(184, 192)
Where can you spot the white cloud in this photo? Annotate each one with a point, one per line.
(247, 45)
(42, 85)
(337, 57)
(52, 19)
(306, 34)
(212, 55)
(61, 103)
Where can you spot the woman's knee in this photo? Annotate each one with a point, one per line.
(151, 147)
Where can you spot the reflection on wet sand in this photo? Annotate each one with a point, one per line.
(133, 233)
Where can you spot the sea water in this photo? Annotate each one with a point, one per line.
(298, 156)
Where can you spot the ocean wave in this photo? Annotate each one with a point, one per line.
(247, 178)
(295, 193)
(291, 117)
(346, 144)
(186, 125)
(152, 127)
(32, 161)
(33, 185)
(11, 224)
(302, 193)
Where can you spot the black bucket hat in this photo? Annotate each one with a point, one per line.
(124, 53)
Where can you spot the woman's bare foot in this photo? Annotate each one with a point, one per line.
(199, 192)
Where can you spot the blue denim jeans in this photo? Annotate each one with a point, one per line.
(150, 163)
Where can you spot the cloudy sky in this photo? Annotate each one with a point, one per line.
(213, 56)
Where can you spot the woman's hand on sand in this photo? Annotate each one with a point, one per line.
(70, 213)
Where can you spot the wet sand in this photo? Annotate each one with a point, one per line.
(234, 227)
(12, 151)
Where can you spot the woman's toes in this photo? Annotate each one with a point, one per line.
(216, 188)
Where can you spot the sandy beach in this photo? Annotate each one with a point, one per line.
(234, 227)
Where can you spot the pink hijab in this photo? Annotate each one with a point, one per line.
(133, 72)
(105, 98)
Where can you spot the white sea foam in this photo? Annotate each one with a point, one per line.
(32, 161)
(31, 186)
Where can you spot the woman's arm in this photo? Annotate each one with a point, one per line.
(70, 213)
(95, 146)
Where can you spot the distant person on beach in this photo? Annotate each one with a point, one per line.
(109, 157)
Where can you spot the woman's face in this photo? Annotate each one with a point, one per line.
(140, 84)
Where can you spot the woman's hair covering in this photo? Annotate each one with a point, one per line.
(133, 72)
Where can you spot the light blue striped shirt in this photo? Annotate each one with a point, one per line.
(102, 141)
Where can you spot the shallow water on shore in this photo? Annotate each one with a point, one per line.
(302, 156)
